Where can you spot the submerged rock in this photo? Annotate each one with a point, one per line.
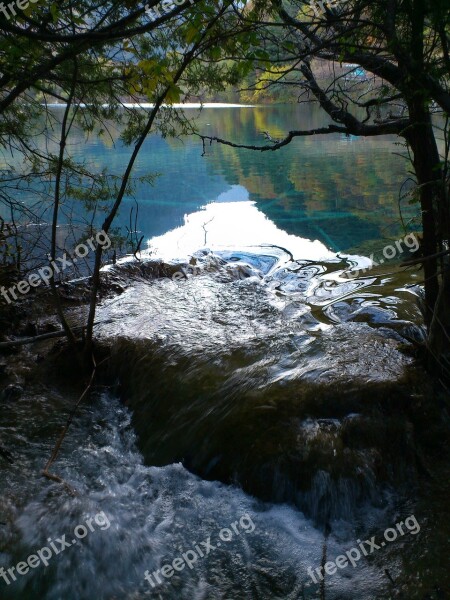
(294, 404)
(11, 392)
(286, 440)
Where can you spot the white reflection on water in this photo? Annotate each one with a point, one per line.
(221, 225)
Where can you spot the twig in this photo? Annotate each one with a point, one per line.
(36, 338)
(204, 228)
(44, 336)
(388, 575)
(138, 248)
(60, 440)
(421, 259)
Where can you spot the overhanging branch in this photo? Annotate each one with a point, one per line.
(279, 144)
(362, 130)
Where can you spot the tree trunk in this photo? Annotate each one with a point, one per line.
(434, 208)
(439, 338)
(429, 179)
(432, 194)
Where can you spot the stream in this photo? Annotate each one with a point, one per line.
(263, 388)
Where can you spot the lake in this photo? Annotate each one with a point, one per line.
(342, 191)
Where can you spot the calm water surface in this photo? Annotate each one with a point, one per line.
(342, 191)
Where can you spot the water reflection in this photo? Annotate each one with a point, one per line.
(231, 224)
(341, 191)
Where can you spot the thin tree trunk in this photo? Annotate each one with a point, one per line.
(439, 338)
(429, 179)
(65, 129)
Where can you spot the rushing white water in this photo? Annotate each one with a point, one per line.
(155, 515)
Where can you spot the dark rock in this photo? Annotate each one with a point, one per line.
(50, 327)
(8, 457)
(11, 392)
(30, 330)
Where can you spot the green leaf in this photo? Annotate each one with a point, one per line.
(191, 34)
(173, 94)
(54, 11)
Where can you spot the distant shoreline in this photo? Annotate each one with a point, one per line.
(149, 105)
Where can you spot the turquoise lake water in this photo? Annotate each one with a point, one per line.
(342, 191)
